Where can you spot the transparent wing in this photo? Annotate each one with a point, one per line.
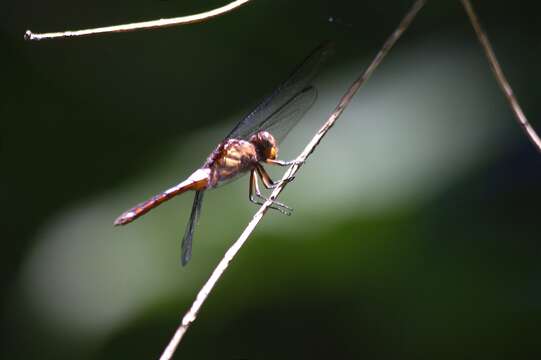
(284, 119)
(283, 99)
(186, 247)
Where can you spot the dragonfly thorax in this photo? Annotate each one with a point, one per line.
(265, 145)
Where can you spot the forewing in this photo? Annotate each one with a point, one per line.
(186, 247)
(284, 119)
(263, 116)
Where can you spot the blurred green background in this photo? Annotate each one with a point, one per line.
(416, 224)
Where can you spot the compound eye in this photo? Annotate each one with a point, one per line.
(273, 153)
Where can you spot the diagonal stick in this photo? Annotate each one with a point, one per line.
(191, 315)
(500, 77)
(190, 19)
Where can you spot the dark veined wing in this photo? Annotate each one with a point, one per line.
(287, 104)
(281, 122)
(186, 247)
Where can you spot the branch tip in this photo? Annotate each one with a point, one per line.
(183, 20)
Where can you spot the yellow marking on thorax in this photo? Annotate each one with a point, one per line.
(237, 155)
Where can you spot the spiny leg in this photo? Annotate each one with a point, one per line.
(267, 181)
(276, 205)
(254, 187)
(269, 184)
(282, 162)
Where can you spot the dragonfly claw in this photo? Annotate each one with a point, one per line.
(289, 179)
(295, 162)
(283, 208)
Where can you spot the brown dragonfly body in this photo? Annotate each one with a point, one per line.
(252, 142)
(229, 160)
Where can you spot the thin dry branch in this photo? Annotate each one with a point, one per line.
(500, 77)
(190, 19)
(310, 147)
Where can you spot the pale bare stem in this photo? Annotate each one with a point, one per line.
(234, 249)
(500, 77)
(190, 19)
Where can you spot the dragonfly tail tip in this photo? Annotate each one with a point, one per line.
(121, 220)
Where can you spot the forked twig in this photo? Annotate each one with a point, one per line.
(500, 77)
(230, 254)
(190, 19)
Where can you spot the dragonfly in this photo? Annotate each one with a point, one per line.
(252, 142)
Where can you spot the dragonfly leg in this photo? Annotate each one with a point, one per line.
(260, 199)
(267, 181)
(282, 162)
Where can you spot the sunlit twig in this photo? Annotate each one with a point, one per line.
(500, 77)
(190, 19)
(310, 147)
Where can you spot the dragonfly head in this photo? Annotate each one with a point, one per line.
(265, 145)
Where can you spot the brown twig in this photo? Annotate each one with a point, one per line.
(190, 19)
(500, 77)
(310, 147)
